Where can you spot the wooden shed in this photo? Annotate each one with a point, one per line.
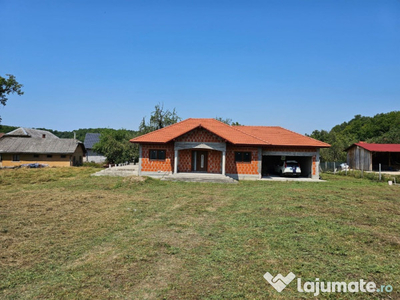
(367, 157)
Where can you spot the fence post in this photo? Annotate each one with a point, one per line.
(334, 168)
(380, 174)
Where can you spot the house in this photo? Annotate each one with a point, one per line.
(210, 146)
(26, 146)
(367, 157)
(91, 156)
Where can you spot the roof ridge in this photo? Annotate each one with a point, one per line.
(257, 138)
(234, 127)
(259, 126)
(218, 121)
(169, 126)
(303, 135)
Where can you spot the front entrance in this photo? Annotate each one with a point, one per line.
(199, 161)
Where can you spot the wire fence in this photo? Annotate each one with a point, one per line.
(334, 166)
(341, 168)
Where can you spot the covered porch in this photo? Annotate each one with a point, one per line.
(199, 157)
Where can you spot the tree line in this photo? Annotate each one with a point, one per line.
(115, 145)
(382, 128)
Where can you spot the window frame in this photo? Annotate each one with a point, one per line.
(16, 157)
(49, 156)
(158, 154)
(242, 158)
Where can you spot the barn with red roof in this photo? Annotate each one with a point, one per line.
(367, 157)
(211, 146)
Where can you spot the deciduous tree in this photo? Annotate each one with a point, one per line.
(9, 86)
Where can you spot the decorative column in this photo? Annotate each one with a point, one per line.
(223, 162)
(176, 162)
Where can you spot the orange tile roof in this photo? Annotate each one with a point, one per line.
(240, 135)
(278, 136)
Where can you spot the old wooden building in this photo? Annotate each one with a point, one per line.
(367, 157)
(29, 146)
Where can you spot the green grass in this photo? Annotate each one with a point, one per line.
(66, 235)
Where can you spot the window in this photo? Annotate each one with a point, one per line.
(49, 156)
(157, 154)
(15, 157)
(35, 155)
(243, 156)
(63, 156)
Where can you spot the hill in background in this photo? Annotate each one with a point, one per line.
(382, 128)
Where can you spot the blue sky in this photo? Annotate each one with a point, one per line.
(302, 65)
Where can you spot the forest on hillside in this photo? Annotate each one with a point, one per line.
(382, 128)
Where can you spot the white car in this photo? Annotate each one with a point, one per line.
(288, 167)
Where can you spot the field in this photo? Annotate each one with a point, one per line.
(66, 235)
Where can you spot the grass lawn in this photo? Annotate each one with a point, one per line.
(66, 235)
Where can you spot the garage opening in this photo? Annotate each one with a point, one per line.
(269, 163)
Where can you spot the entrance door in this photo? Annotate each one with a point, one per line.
(201, 159)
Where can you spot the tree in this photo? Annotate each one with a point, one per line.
(9, 86)
(115, 146)
(159, 118)
(381, 128)
(227, 121)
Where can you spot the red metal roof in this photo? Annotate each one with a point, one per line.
(378, 147)
(240, 135)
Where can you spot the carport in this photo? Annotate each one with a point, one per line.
(272, 158)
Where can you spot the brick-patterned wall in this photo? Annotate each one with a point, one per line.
(214, 164)
(185, 160)
(214, 161)
(248, 168)
(166, 165)
(199, 135)
(289, 149)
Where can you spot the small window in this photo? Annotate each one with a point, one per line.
(49, 156)
(247, 156)
(243, 156)
(153, 154)
(35, 155)
(63, 156)
(15, 157)
(161, 154)
(157, 154)
(1, 158)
